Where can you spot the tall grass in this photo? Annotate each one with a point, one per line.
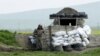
(7, 37)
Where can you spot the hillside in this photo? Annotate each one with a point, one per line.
(30, 19)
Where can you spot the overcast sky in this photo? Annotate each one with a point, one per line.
(13, 6)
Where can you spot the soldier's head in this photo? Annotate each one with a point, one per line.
(39, 27)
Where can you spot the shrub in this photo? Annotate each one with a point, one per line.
(7, 37)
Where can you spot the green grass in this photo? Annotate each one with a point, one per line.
(24, 33)
(94, 52)
(96, 31)
(7, 37)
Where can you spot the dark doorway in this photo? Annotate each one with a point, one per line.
(68, 21)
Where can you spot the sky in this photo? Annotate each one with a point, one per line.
(13, 6)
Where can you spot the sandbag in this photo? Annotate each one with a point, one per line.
(72, 32)
(86, 41)
(82, 32)
(60, 33)
(84, 44)
(32, 39)
(57, 41)
(55, 38)
(56, 44)
(66, 36)
(87, 29)
(77, 39)
(65, 43)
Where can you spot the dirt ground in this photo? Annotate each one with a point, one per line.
(94, 41)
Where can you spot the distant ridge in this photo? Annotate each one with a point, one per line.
(30, 19)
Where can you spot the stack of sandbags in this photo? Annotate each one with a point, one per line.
(74, 39)
(84, 35)
(61, 38)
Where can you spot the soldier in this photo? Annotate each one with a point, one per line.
(38, 34)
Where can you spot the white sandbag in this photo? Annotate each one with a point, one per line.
(76, 42)
(55, 38)
(84, 44)
(87, 29)
(82, 32)
(86, 41)
(65, 40)
(72, 32)
(59, 41)
(56, 44)
(60, 33)
(65, 44)
(66, 36)
(70, 40)
(77, 38)
(76, 35)
(32, 39)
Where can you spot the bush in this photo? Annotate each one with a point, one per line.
(7, 37)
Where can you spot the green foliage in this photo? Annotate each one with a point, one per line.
(7, 37)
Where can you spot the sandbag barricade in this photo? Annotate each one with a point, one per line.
(77, 36)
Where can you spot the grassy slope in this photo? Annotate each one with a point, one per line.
(7, 37)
